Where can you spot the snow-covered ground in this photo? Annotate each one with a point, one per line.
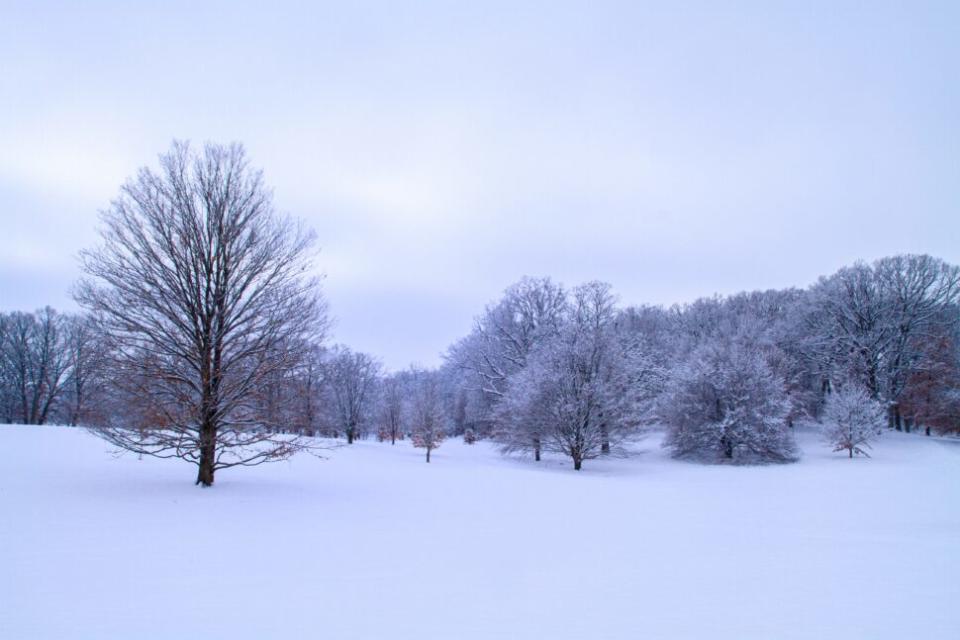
(374, 543)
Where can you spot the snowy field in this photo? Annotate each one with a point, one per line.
(374, 543)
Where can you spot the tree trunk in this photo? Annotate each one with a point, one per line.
(205, 473)
(851, 452)
(349, 436)
(208, 454)
(77, 404)
(536, 449)
(605, 439)
(727, 448)
(23, 400)
(577, 462)
(428, 454)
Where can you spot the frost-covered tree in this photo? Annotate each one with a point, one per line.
(870, 323)
(523, 416)
(427, 418)
(578, 395)
(851, 419)
(468, 405)
(351, 379)
(203, 294)
(504, 337)
(917, 290)
(529, 312)
(724, 403)
(849, 326)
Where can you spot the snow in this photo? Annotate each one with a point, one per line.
(374, 543)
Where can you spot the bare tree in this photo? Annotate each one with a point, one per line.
(308, 383)
(36, 363)
(85, 350)
(351, 379)
(18, 360)
(202, 291)
(931, 398)
(7, 395)
(391, 408)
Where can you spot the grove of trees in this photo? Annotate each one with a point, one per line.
(547, 369)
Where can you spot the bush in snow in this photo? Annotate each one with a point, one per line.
(725, 404)
(851, 418)
(469, 436)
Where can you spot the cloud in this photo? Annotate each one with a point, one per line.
(443, 152)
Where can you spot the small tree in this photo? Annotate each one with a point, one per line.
(851, 419)
(426, 412)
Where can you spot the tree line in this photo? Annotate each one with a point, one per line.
(729, 377)
(50, 368)
(204, 337)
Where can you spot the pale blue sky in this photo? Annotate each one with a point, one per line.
(441, 150)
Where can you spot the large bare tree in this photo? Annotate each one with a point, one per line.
(202, 291)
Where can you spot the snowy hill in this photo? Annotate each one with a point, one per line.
(374, 543)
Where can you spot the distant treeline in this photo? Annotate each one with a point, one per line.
(572, 372)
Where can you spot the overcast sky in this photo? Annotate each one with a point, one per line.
(442, 151)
